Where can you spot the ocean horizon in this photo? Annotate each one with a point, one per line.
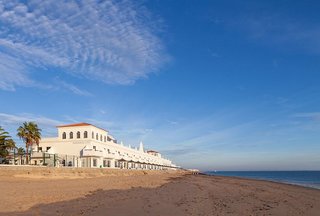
(302, 178)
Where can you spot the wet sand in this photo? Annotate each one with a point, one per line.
(121, 192)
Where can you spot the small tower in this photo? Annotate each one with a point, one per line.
(141, 147)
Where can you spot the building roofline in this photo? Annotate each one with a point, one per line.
(152, 151)
(79, 125)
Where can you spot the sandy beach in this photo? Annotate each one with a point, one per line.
(54, 191)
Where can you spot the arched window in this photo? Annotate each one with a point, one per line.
(92, 135)
(85, 135)
(97, 137)
(71, 135)
(64, 135)
(78, 135)
(101, 138)
(104, 138)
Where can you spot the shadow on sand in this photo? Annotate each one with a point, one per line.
(162, 200)
(191, 195)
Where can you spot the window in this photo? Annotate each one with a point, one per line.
(101, 138)
(49, 147)
(104, 138)
(97, 137)
(95, 148)
(64, 135)
(40, 149)
(78, 135)
(71, 135)
(94, 162)
(92, 135)
(85, 135)
(104, 163)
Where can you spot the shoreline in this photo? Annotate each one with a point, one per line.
(267, 180)
(152, 193)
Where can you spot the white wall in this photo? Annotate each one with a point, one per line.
(76, 145)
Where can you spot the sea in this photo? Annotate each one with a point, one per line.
(302, 178)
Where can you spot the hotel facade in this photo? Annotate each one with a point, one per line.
(85, 145)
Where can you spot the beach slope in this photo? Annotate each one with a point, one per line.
(151, 193)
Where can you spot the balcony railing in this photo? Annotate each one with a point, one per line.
(92, 152)
(37, 154)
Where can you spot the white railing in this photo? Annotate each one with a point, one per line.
(108, 155)
(92, 152)
(37, 154)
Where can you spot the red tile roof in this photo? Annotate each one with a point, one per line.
(75, 125)
(80, 124)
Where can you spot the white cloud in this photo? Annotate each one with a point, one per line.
(8, 119)
(281, 29)
(12, 73)
(10, 122)
(110, 41)
(309, 115)
(126, 130)
(74, 89)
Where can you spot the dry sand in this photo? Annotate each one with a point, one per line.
(63, 191)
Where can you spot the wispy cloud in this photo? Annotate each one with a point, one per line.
(126, 131)
(206, 142)
(113, 42)
(172, 122)
(74, 89)
(13, 73)
(280, 28)
(10, 122)
(309, 115)
(20, 118)
(178, 152)
(131, 131)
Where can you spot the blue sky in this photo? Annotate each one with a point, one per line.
(214, 85)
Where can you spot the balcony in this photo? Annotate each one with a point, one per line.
(37, 154)
(91, 153)
(108, 155)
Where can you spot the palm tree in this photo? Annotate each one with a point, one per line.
(30, 134)
(21, 152)
(3, 135)
(10, 144)
(3, 142)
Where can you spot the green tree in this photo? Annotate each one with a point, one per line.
(3, 135)
(10, 144)
(21, 152)
(30, 133)
(4, 139)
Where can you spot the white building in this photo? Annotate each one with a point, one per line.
(85, 145)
